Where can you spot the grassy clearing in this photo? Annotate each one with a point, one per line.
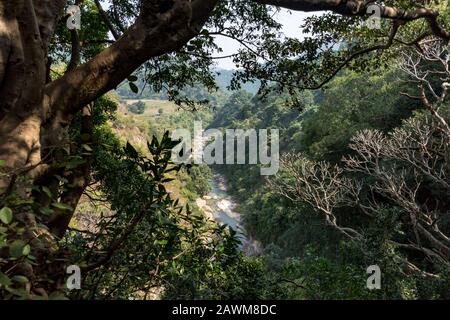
(153, 106)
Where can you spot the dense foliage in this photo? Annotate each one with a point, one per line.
(330, 265)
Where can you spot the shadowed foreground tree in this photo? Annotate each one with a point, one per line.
(174, 41)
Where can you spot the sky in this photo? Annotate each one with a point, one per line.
(291, 21)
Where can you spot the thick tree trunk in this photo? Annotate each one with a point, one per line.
(20, 144)
(26, 32)
(29, 105)
(79, 179)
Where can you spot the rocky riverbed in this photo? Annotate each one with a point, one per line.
(218, 205)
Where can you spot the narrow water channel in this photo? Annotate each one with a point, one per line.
(218, 205)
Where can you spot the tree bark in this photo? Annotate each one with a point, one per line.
(29, 104)
(28, 29)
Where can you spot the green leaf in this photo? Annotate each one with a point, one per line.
(61, 179)
(47, 191)
(26, 250)
(47, 211)
(133, 87)
(4, 280)
(62, 206)
(20, 279)
(74, 163)
(87, 148)
(131, 151)
(2, 163)
(6, 215)
(161, 242)
(132, 78)
(16, 248)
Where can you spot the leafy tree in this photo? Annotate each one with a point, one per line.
(392, 182)
(137, 107)
(352, 103)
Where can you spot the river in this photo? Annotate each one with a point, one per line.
(219, 206)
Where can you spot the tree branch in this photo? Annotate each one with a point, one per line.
(153, 34)
(392, 34)
(106, 20)
(359, 8)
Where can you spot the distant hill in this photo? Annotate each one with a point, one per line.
(223, 79)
